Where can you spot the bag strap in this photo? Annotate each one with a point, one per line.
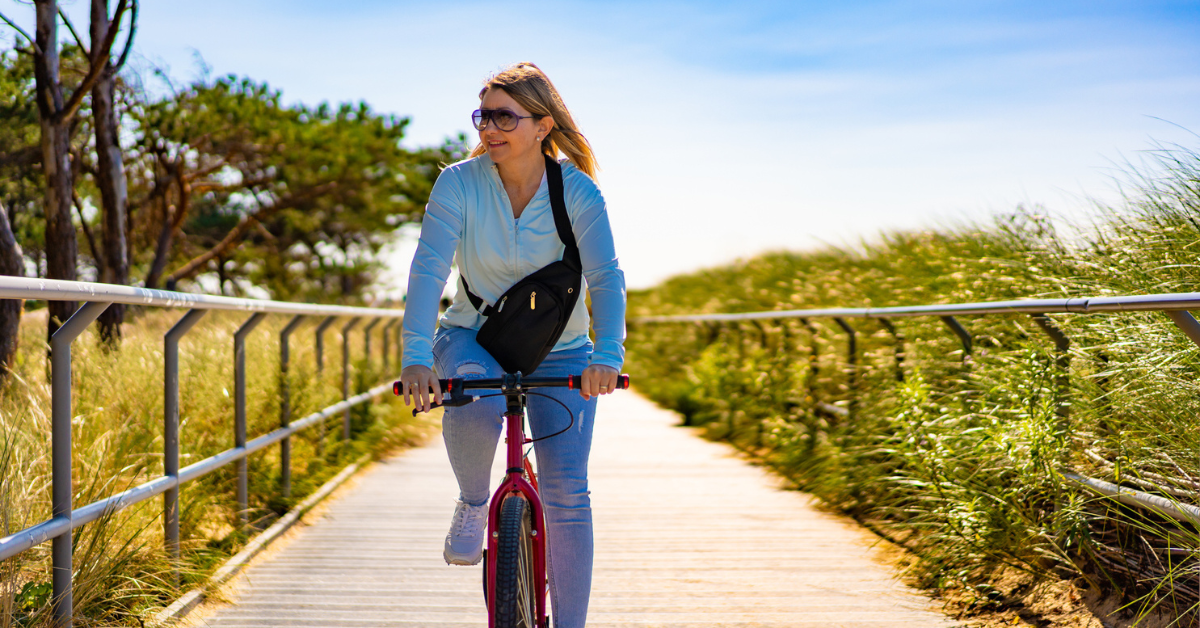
(562, 223)
(483, 308)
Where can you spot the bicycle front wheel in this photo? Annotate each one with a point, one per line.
(516, 599)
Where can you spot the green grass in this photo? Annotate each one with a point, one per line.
(121, 571)
(961, 462)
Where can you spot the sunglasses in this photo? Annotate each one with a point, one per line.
(504, 119)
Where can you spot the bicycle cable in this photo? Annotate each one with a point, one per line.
(564, 407)
(530, 392)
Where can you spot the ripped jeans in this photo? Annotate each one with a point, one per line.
(472, 431)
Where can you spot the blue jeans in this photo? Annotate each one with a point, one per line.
(472, 431)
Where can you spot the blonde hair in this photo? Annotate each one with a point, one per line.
(532, 89)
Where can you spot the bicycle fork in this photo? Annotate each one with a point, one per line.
(515, 483)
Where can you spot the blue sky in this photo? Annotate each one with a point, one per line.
(725, 129)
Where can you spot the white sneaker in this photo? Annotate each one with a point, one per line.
(464, 542)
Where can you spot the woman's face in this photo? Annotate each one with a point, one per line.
(523, 141)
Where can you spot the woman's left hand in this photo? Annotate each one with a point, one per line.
(598, 380)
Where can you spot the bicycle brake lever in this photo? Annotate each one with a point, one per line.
(453, 401)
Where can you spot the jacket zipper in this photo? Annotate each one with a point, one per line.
(517, 246)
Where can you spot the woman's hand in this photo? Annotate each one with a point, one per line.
(598, 380)
(418, 381)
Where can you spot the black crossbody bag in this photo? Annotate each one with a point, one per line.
(528, 319)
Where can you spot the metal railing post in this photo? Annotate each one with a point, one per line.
(1102, 381)
(320, 332)
(97, 298)
(60, 454)
(285, 406)
(1062, 347)
(852, 362)
(899, 337)
(964, 336)
(387, 344)
(814, 368)
(762, 334)
(320, 346)
(762, 342)
(346, 375)
(239, 412)
(724, 331)
(1186, 323)
(367, 338)
(171, 431)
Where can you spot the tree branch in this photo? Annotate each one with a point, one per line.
(213, 186)
(235, 235)
(133, 17)
(36, 48)
(185, 197)
(207, 170)
(87, 231)
(71, 27)
(94, 71)
(22, 156)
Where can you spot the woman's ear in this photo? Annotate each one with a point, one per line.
(545, 125)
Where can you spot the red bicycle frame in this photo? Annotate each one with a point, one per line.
(519, 478)
(515, 483)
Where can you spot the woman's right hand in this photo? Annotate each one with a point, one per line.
(420, 381)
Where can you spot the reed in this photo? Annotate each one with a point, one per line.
(962, 461)
(121, 571)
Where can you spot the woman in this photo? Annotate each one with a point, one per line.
(491, 214)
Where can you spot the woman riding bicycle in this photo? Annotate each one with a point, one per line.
(492, 215)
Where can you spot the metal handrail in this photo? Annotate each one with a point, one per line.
(1086, 305)
(96, 297)
(56, 290)
(1174, 305)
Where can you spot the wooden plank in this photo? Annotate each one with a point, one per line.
(687, 536)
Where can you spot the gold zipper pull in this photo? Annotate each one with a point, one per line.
(533, 300)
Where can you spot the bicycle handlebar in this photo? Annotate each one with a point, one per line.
(450, 386)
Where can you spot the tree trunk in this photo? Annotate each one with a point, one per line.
(222, 276)
(11, 264)
(110, 175)
(173, 217)
(162, 248)
(61, 245)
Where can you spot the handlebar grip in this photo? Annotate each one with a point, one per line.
(444, 384)
(576, 382)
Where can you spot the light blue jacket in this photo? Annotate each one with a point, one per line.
(469, 220)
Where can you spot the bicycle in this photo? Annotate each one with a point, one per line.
(514, 573)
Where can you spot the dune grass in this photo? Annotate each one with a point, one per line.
(961, 461)
(122, 573)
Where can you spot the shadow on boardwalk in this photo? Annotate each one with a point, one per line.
(687, 535)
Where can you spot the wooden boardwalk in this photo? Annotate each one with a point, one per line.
(687, 536)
